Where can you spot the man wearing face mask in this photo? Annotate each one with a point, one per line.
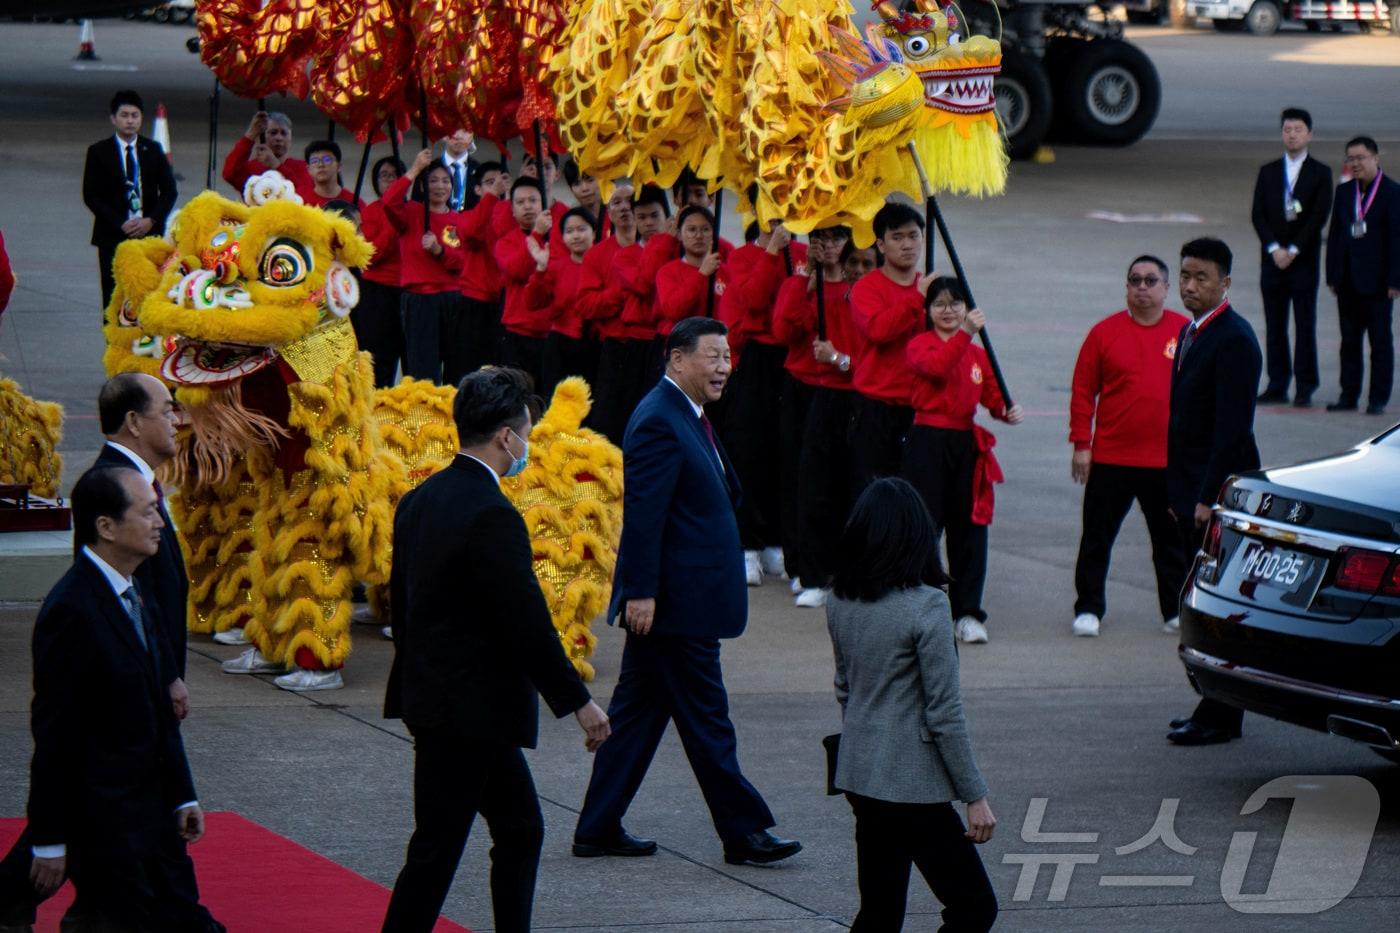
(473, 644)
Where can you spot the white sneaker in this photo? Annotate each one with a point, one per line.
(364, 615)
(301, 680)
(772, 561)
(970, 631)
(388, 632)
(795, 586)
(231, 636)
(1172, 626)
(753, 569)
(251, 661)
(814, 598)
(1086, 625)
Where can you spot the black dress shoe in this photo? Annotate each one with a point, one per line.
(1374, 409)
(1302, 400)
(1272, 396)
(1178, 723)
(1342, 404)
(624, 844)
(1192, 733)
(761, 848)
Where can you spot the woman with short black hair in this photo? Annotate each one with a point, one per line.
(905, 754)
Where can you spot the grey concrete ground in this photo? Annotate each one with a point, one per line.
(1079, 723)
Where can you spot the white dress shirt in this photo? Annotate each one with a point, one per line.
(1292, 167)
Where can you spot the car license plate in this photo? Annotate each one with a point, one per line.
(1274, 567)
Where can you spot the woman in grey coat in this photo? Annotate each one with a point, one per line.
(905, 754)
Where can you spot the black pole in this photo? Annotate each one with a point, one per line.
(213, 137)
(930, 217)
(787, 258)
(967, 293)
(423, 103)
(539, 165)
(710, 292)
(505, 156)
(821, 300)
(364, 164)
(394, 140)
(330, 130)
(262, 108)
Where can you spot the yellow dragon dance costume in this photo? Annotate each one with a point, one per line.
(290, 462)
(782, 94)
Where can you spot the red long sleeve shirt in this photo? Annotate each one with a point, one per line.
(950, 378)
(1121, 395)
(886, 314)
(517, 265)
(420, 272)
(553, 294)
(376, 227)
(600, 296)
(795, 326)
(238, 168)
(681, 293)
(503, 222)
(481, 277)
(636, 268)
(755, 276)
(313, 199)
(7, 276)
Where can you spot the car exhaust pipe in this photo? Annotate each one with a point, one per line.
(1364, 732)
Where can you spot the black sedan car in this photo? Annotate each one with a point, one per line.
(1292, 608)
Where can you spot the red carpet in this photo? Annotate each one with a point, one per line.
(256, 881)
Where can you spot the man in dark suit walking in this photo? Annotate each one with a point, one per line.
(137, 417)
(111, 801)
(127, 184)
(1210, 432)
(473, 644)
(679, 586)
(1291, 204)
(1363, 271)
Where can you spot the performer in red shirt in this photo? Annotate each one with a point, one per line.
(323, 166)
(683, 284)
(377, 319)
(888, 308)
(430, 264)
(503, 220)
(522, 328)
(629, 363)
(584, 188)
(7, 276)
(489, 186)
(264, 146)
(552, 292)
(1118, 412)
(948, 458)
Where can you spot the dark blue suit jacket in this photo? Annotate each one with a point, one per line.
(1371, 264)
(680, 539)
(1210, 433)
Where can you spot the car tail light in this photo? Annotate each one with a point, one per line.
(1363, 571)
(1211, 545)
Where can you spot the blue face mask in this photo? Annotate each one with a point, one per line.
(517, 465)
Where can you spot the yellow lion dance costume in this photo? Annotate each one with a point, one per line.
(291, 462)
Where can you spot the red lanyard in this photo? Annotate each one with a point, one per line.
(1361, 209)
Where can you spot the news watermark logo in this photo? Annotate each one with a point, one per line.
(1319, 861)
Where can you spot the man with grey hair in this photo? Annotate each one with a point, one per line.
(263, 147)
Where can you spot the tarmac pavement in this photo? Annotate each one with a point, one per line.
(1077, 723)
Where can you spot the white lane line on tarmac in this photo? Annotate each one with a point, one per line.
(1175, 217)
(84, 67)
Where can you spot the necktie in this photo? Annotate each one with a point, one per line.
(714, 446)
(456, 186)
(1186, 342)
(160, 495)
(132, 176)
(132, 602)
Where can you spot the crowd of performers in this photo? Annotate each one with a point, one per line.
(848, 363)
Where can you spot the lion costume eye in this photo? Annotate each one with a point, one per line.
(284, 263)
(917, 46)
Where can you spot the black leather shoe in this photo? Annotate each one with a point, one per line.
(1342, 404)
(624, 844)
(1178, 723)
(1302, 400)
(1192, 733)
(761, 848)
(1272, 396)
(1375, 409)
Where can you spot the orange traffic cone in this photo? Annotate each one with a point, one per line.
(160, 132)
(87, 52)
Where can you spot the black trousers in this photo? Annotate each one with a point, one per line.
(454, 779)
(524, 353)
(826, 487)
(1210, 713)
(877, 434)
(480, 334)
(792, 425)
(567, 356)
(670, 678)
(1108, 495)
(378, 327)
(627, 371)
(1296, 287)
(891, 837)
(106, 281)
(940, 462)
(1366, 317)
(435, 336)
(155, 891)
(749, 428)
